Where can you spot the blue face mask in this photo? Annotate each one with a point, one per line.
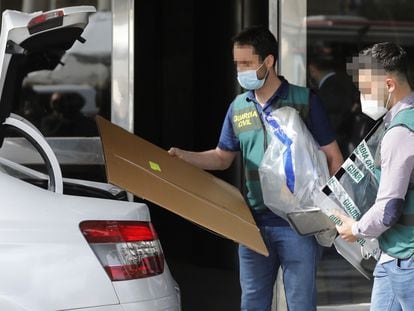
(248, 79)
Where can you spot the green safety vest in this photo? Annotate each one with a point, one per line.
(250, 130)
(398, 241)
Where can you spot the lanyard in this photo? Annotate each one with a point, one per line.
(287, 153)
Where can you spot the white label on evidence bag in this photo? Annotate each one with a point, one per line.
(352, 170)
(343, 197)
(364, 155)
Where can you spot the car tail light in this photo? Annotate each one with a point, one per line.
(45, 21)
(126, 249)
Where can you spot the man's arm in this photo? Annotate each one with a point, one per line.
(397, 165)
(214, 159)
(333, 156)
(321, 129)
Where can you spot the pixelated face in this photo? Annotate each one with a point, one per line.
(369, 76)
(371, 83)
(245, 58)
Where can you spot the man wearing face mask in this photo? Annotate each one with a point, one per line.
(255, 55)
(385, 89)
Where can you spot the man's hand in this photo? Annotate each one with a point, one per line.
(174, 152)
(345, 230)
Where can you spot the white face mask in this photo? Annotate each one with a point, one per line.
(374, 108)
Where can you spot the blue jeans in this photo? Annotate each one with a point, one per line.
(393, 286)
(298, 257)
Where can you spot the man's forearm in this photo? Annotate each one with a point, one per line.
(333, 157)
(213, 159)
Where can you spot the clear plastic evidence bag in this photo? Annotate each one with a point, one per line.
(296, 185)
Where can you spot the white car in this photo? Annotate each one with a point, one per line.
(90, 250)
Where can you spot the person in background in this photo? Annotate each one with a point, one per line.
(382, 79)
(66, 118)
(340, 97)
(255, 55)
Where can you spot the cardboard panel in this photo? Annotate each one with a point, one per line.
(151, 173)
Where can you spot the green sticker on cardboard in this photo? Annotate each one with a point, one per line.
(154, 166)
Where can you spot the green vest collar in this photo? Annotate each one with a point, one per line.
(282, 92)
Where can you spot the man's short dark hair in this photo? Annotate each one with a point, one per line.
(262, 40)
(392, 57)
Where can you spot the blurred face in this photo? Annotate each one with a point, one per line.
(370, 77)
(245, 58)
(372, 84)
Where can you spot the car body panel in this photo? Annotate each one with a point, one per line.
(39, 234)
